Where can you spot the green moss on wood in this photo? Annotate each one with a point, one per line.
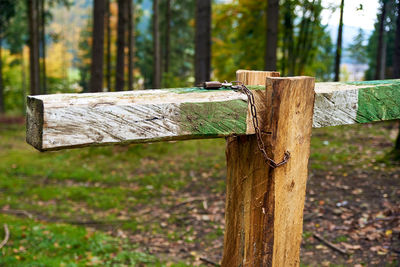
(381, 82)
(202, 90)
(379, 103)
(214, 118)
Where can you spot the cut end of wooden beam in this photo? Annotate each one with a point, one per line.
(256, 77)
(34, 123)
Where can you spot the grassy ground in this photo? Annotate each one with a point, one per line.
(163, 204)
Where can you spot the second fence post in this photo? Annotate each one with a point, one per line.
(264, 206)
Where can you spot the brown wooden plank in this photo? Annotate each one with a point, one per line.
(264, 206)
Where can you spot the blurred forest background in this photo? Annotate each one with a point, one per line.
(163, 204)
(61, 46)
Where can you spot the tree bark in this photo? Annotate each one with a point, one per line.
(131, 43)
(2, 109)
(120, 68)
(203, 41)
(396, 66)
(156, 47)
(339, 44)
(34, 47)
(108, 48)
(23, 82)
(43, 45)
(96, 69)
(288, 42)
(397, 144)
(396, 54)
(167, 36)
(271, 42)
(380, 60)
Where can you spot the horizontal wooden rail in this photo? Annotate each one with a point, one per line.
(76, 120)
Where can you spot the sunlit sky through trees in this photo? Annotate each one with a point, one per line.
(354, 15)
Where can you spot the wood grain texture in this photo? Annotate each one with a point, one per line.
(245, 166)
(75, 120)
(264, 206)
(290, 124)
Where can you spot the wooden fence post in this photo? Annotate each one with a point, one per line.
(264, 206)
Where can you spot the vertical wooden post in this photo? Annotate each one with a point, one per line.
(264, 206)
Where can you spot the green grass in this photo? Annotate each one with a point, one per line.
(116, 183)
(34, 243)
(97, 184)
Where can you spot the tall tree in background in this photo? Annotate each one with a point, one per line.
(96, 69)
(167, 42)
(396, 67)
(108, 45)
(288, 31)
(339, 44)
(7, 10)
(381, 52)
(181, 51)
(121, 31)
(203, 41)
(358, 52)
(42, 26)
(2, 109)
(34, 46)
(390, 40)
(131, 42)
(305, 45)
(301, 45)
(396, 52)
(156, 47)
(271, 42)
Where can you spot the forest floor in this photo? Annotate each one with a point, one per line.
(162, 204)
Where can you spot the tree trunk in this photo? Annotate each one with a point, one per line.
(122, 20)
(396, 66)
(96, 69)
(339, 44)
(108, 53)
(288, 43)
(397, 145)
(380, 61)
(2, 110)
(156, 47)
(272, 35)
(43, 45)
(203, 41)
(131, 43)
(33, 47)
(23, 82)
(167, 35)
(396, 54)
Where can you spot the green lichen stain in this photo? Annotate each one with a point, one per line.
(256, 87)
(202, 90)
(188, 90)
(381, 82)
(214, 118)
(380, 102)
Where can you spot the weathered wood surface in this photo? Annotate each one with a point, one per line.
(75, 120)
(264, 206)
